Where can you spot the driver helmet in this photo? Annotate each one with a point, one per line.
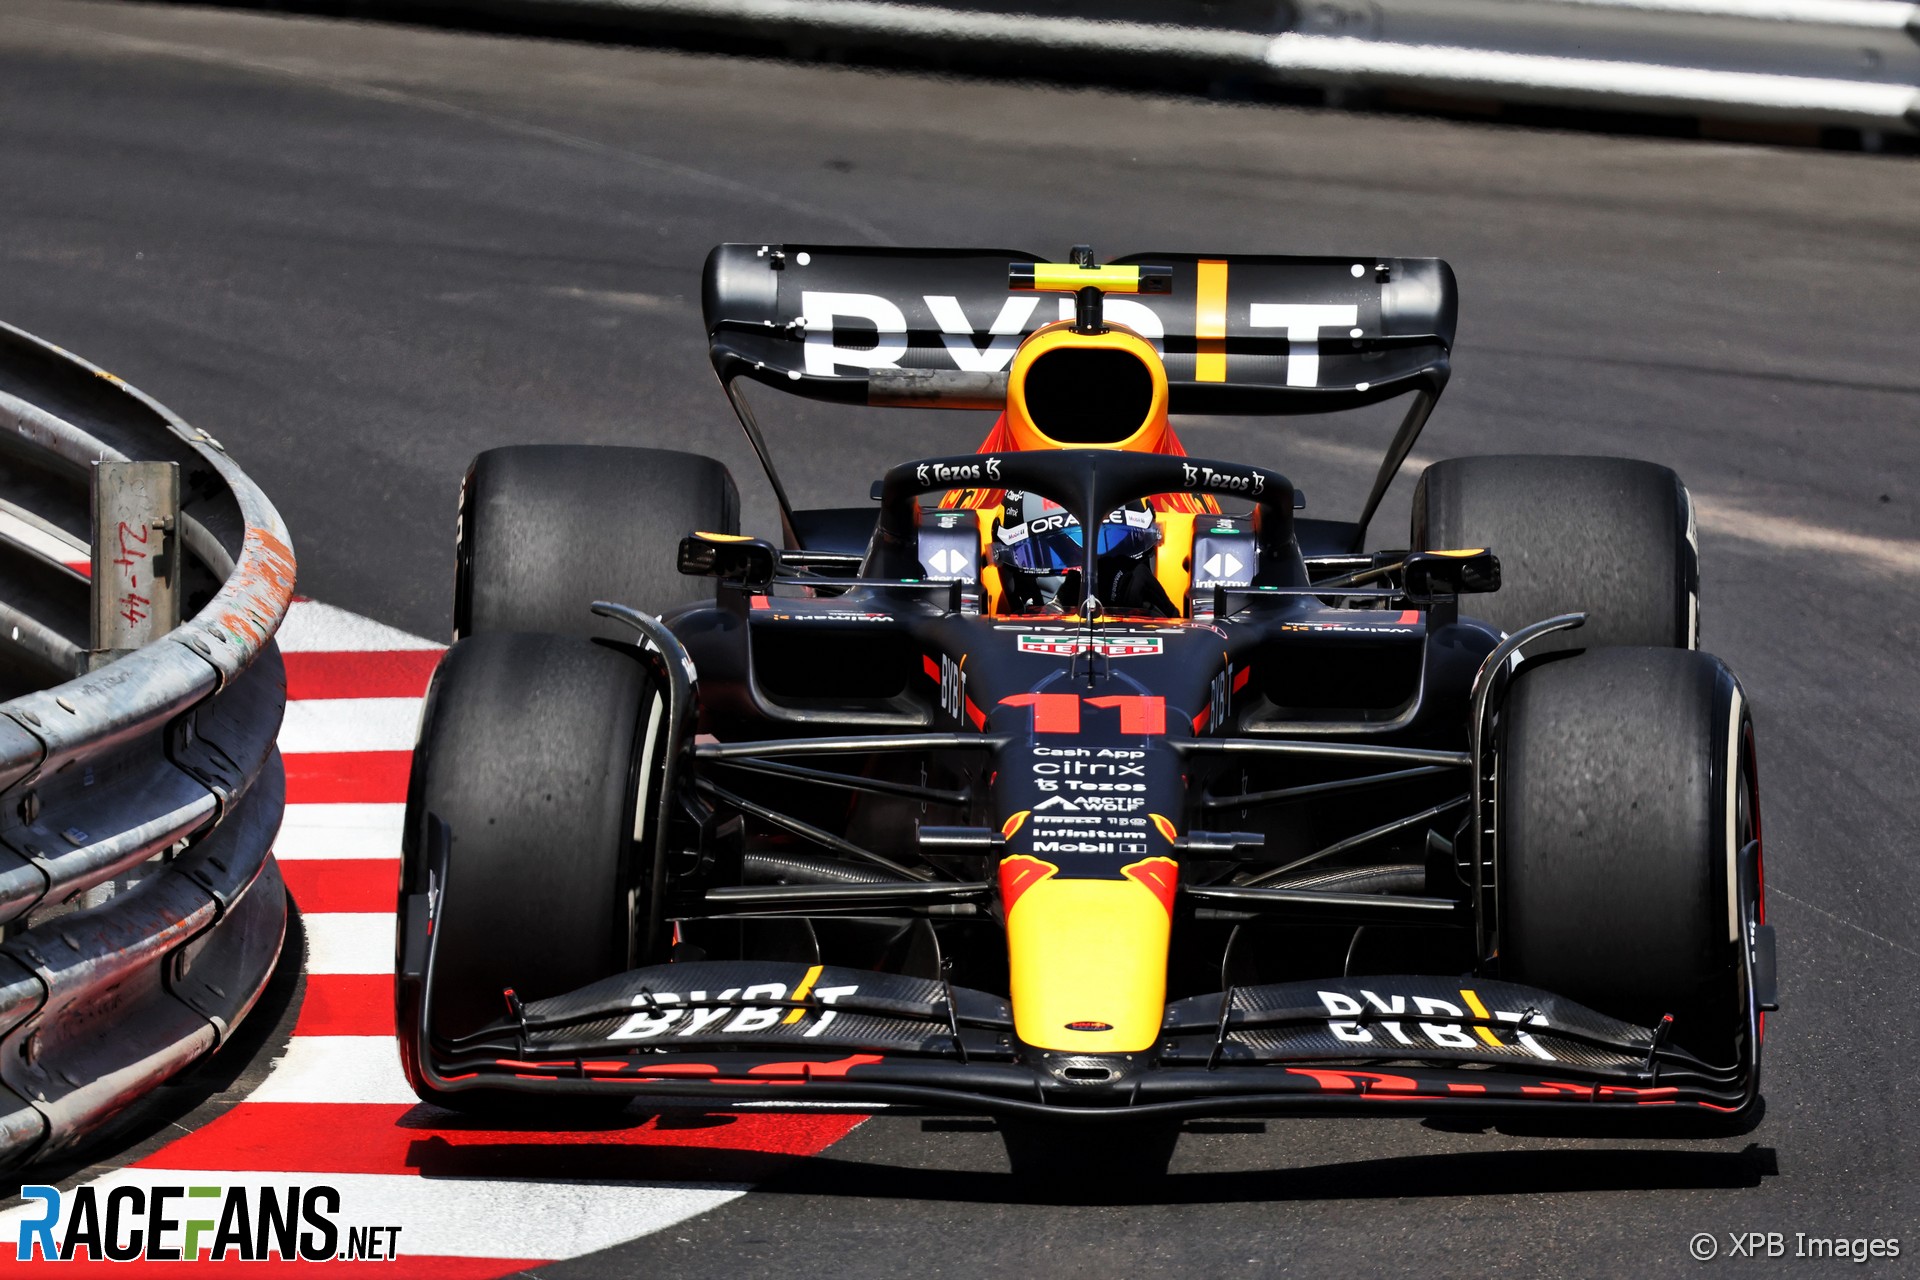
(1039, 548)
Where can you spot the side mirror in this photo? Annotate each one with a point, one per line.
(1428, 575)
(750, 562)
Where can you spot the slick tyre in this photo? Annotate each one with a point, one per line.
(545, 530)
(1626, 795)
(535, 754)
(1609, 537)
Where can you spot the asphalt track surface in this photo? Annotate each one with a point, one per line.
(358, 254)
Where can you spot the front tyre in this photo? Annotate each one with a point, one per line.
(535, 754)
(1626, 798)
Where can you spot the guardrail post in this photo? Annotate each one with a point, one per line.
(136, 574)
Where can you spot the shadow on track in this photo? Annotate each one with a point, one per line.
(1486, 1173)
(444, 1149)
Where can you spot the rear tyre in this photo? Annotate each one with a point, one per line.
(545, 530)
(1626, 793)
(1610, 537)
(534, 752)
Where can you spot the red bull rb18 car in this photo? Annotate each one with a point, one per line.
(1079, 777)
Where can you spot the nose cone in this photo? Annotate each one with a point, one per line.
(1088, 957)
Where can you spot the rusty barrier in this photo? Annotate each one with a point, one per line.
(141, 912)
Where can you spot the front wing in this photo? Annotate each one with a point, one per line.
(749, 1030)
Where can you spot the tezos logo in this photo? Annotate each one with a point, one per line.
(171, 1223)
(1217, 481)
(947, 473)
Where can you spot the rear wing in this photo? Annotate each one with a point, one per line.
(937, 328)
(1239, 333)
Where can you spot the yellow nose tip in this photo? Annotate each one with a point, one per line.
(1088, 958)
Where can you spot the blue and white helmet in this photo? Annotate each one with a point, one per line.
(1040, 549)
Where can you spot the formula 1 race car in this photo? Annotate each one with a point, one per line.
(1080, 778)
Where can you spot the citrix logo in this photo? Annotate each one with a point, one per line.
(174, 1223)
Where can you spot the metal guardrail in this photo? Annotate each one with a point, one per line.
(1852, 63)
(141, 909)
(1828, 62)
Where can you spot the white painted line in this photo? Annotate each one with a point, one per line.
(1053, 35)
(455, 1217)
(329, 831)
(349, 942)
(1721, 516)
(350, 724)
(1900, 556)
(337, 1069)
(312, 627)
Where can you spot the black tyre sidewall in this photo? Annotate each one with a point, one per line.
(529, 754)
(1617, 874)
